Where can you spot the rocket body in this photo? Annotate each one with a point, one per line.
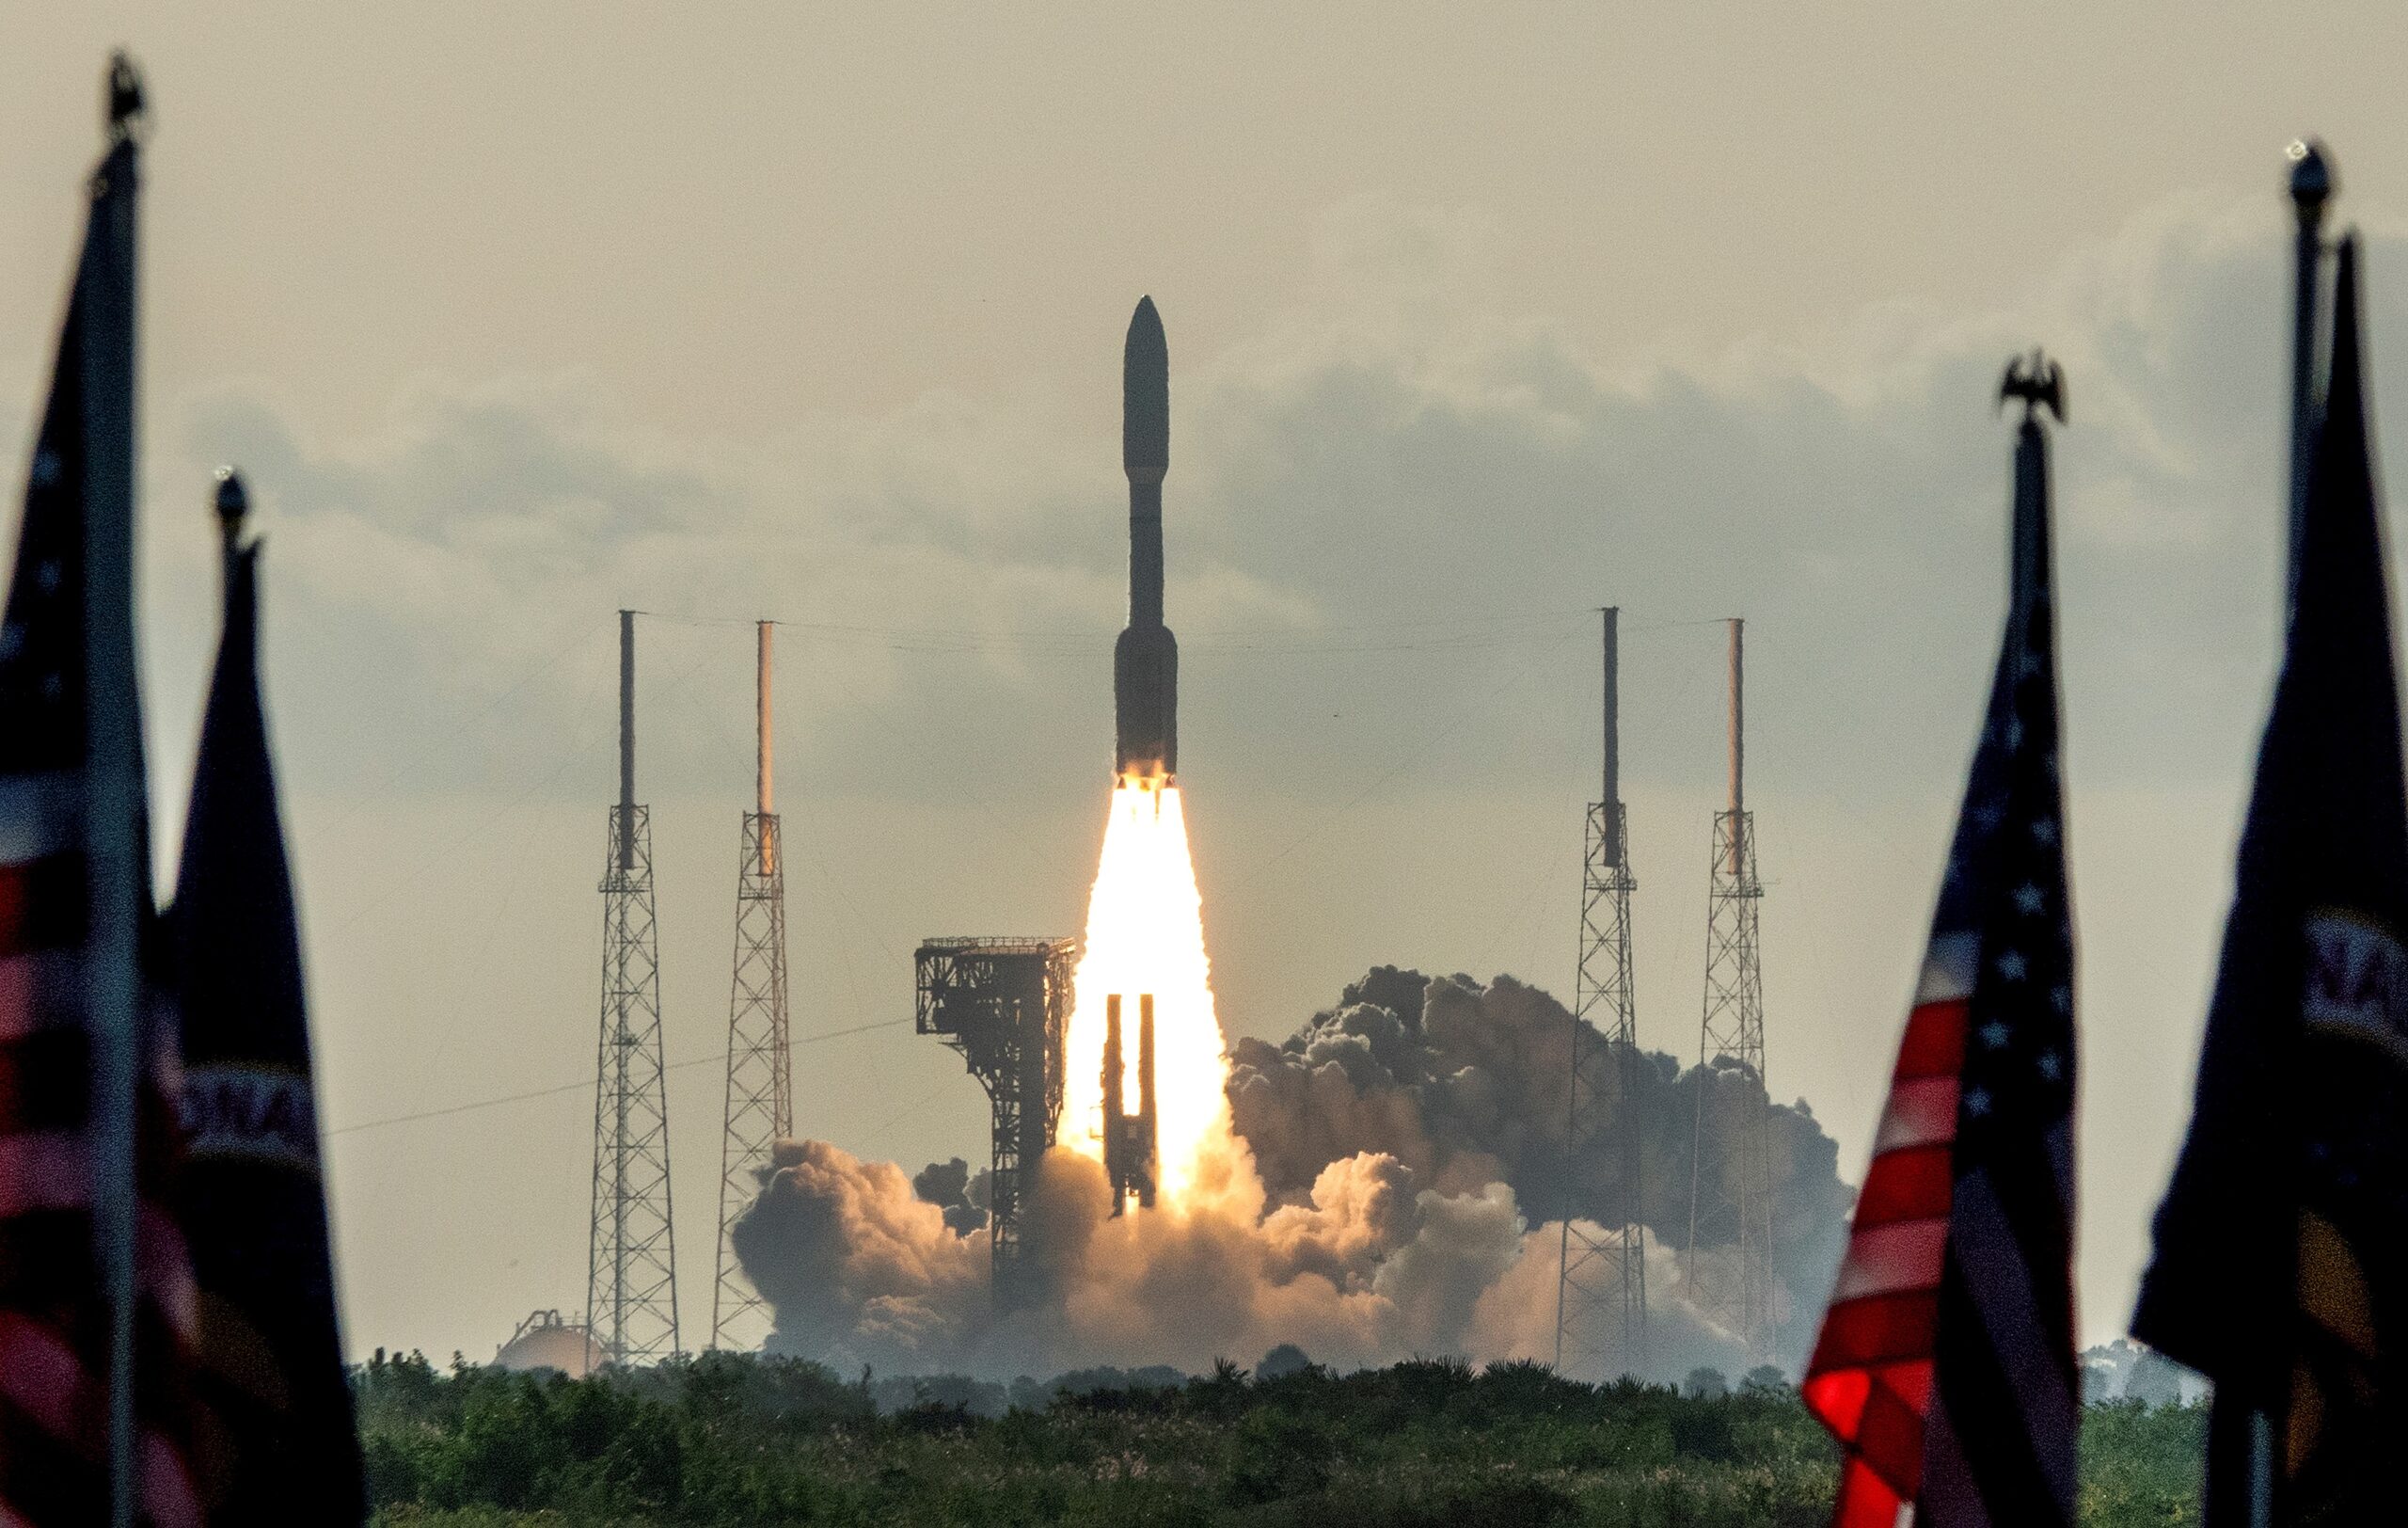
(1145, 661)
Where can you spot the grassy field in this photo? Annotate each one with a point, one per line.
(726, 1440)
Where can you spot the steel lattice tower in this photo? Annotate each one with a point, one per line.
(631, 1259)
(1005, 1003)
(1730, 1243)
(1601, 1278)
(760, 1075)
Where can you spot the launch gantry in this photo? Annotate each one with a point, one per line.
(1005, 1003)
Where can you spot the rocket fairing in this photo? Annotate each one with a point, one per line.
(1145, 661)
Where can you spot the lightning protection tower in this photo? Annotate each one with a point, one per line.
(760, 1076)
(1601, 1278)
(1729, 1257)
(632, 1261)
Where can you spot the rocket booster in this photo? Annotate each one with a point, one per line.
(1145, 661)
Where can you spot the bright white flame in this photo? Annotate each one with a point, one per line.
(1146, 934)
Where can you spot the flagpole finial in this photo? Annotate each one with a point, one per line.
(2038, 382)
(233, 503)
(127, 109)
(2312, 179)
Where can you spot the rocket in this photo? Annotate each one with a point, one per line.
(1145, 661)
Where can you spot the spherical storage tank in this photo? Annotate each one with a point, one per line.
(545, 1341)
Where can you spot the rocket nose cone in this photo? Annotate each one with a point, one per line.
(1144, 397)
(1146, 323)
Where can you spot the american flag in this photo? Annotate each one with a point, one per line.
(95, 1293)
(1946, 1363)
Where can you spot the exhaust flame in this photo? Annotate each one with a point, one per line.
(1146, 934)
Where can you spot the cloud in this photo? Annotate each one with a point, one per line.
(1392, 450)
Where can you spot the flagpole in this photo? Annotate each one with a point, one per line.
(233, 503)
(114, 869)
(2244, 1434)
(2312, 184)
(2261, 1469)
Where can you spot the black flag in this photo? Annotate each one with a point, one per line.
(2281, 1267)
(278, 1442)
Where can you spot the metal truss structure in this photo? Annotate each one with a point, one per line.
(760, 1070)
(1601, 1280)
(631, 1255)
(1005, 1003)
(1601, 1286)
(632, 1269)
(760, 1086)
(1729, 1256)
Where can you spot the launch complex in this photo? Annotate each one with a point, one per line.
(1109, 1046)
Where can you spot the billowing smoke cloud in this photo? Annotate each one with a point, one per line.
(1375, 1205)
(855, 1262)
(863, 1271)
(951, 1188)
(1469, 1085)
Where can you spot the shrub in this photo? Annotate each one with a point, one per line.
(736, 1439)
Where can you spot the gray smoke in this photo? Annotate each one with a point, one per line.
(1409, 1150)
(1468, 1085)
(1366, 1266)
(951, 1186)
(857, 1265)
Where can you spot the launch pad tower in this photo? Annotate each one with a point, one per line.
(631, 1259)
(1729, 1256)
(1601, 1278)
(760, 1072)
(1005, 1003)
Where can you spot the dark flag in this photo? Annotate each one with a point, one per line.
(2281, 1262)
(1946, 1363)
(276, 1441)
(95, 1292)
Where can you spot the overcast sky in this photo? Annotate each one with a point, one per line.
(1478, 318)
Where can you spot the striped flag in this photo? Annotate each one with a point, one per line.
(1946, 1363)
(95, 1292)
